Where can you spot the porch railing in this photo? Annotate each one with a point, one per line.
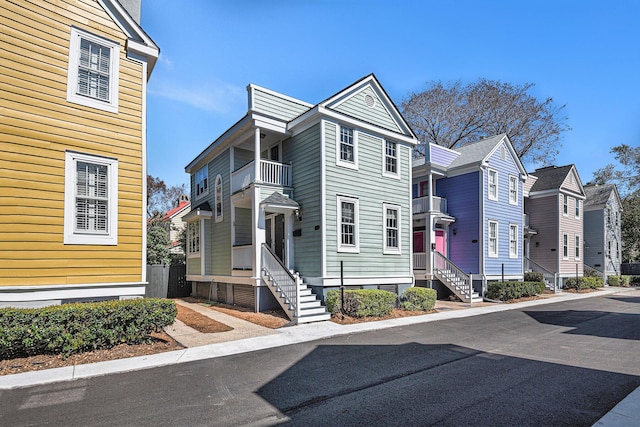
(421, 205)
(270, 173)
(282, 279)
(243, 257)
(420, 261)
(550, 278)
(452, 276)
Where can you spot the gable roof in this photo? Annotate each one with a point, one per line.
(553, 177)
(599, 194)
(478, 152)
(181, 206)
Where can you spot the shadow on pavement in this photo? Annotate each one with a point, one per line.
(608, 325)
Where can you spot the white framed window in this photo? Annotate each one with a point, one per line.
(565, 246)
(347, 150)
(391, 218)
(348, 224)
(577, 247)
(565, 204)
(493, 239)
(493, 184)
(218, 198)
(578, 203)
(90, 200)
(193, 239)
(202, 182)
(513, 190)
(513, 241)
(390, 159)
(92, 73)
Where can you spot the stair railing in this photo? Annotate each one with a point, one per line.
(591, 271)
(446, 270)
(283, 280)
(550, 278)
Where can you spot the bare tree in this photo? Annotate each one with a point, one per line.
(453, 115)
(161, 197)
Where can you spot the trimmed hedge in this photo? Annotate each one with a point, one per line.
(362, 302)
(416, 299)
(75, 328)
(505, 291)
(618, 281)
(582, 283)
(533, 276)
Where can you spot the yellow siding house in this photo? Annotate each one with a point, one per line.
(73, 79)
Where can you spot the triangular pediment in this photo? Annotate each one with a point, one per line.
(572, 182)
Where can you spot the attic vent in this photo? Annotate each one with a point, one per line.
(369, 100)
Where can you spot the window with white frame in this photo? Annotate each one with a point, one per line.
(390, 158)
(578, 202)
(565, 246)
(391, 219)
(493, 184)
(513, 240)
(347, 152)
(90, 200)
(348, 224)
(218, 198)
(513, 190)
(577, 248)
(202, 182)
(565, 204)
(193, 238)
(92, 74)
(493, 239)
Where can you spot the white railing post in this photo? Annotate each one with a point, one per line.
(470, 289)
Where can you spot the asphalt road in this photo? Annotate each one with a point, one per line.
(557, 364)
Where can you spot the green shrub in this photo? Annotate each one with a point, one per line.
(618, 280)
(533, 276)
(362, 302)
(505, 291)
(582, 283)
(634, 280)
(416, 299)
(75, 328)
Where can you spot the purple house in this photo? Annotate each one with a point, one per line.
(468, 217)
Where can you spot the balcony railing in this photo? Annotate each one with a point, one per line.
(421, 205)
(420, 260)
(270, 173)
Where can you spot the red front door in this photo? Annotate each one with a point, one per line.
(441, 243)
(418, 242)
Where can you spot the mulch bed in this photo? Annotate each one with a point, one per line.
(396, 313)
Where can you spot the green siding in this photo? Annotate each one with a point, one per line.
(241, 157)
(243, 226)
(193, 265)
(372, 190)
(378, 115)
(276, 106)
(304, 153)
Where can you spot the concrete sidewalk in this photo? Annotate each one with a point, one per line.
(247, 337)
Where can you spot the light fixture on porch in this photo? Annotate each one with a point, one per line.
(298, 214)
(262, 136)
(455, 231)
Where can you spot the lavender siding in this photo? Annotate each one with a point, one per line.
(505, 214)
(441, 156)
(463, 198)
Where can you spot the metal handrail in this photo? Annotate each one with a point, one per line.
(284, 281)
(444, 267)
(550, 278)
(592, 270)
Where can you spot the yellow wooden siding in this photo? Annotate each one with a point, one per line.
(37, 125)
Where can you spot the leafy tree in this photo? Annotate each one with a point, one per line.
(453, 115)
(160, 197)
(158, 240)
(626, 176)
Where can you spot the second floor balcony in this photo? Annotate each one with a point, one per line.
(273, 173)
(421, 205)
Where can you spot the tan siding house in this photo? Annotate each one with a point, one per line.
(73, 77)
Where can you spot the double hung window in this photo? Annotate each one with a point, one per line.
(348, 224)
(493, 184)
(493, 239)
(391, 158)
(513, 241)
(202, 182)
(513, 190)
(391, 217)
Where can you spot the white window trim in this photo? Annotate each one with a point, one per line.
(195, 183)
(71, 237)
(489, 171)
(513, 178)
(576, 247)
(218, 194)
(511, 254)
(72, 72)
(565, 202)
(344, 163)
(577, 208)
(390, 250)
(565, 239)
(489, 252)
(356, 235)
(194, 254)
(385, 172)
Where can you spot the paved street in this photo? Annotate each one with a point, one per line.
(566, 363)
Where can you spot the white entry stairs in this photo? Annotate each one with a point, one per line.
(456, 285)
(311, 309)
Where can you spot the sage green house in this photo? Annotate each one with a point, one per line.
(295, 193)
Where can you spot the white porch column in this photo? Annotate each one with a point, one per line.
(256, 155)
(432, 233)
(288, 250)
(257, 216)
(430, 192)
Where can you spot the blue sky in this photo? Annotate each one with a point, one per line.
(585, 54)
